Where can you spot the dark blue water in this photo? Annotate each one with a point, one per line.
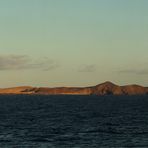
(73, 121)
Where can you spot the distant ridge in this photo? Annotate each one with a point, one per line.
(106, 88)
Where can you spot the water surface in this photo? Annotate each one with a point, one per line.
(73, 121)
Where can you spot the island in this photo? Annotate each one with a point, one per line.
(106, 88)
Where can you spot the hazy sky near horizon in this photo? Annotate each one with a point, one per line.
(73, 42)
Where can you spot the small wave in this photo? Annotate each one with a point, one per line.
(4, 141)
(42, 140)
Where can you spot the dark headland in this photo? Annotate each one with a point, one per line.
(107, 88)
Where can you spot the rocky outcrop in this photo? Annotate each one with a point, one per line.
(134, 89)
(110, 88)
(106, 88)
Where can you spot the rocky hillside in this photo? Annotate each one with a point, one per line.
(106, 88)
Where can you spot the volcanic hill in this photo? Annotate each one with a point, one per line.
(107, 88)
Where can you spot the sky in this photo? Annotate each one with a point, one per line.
(73, 42)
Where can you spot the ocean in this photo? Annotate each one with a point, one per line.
(37, 121)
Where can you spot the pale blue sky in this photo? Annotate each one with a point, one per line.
(73, 42)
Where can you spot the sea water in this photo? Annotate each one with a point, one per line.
(36, 121)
